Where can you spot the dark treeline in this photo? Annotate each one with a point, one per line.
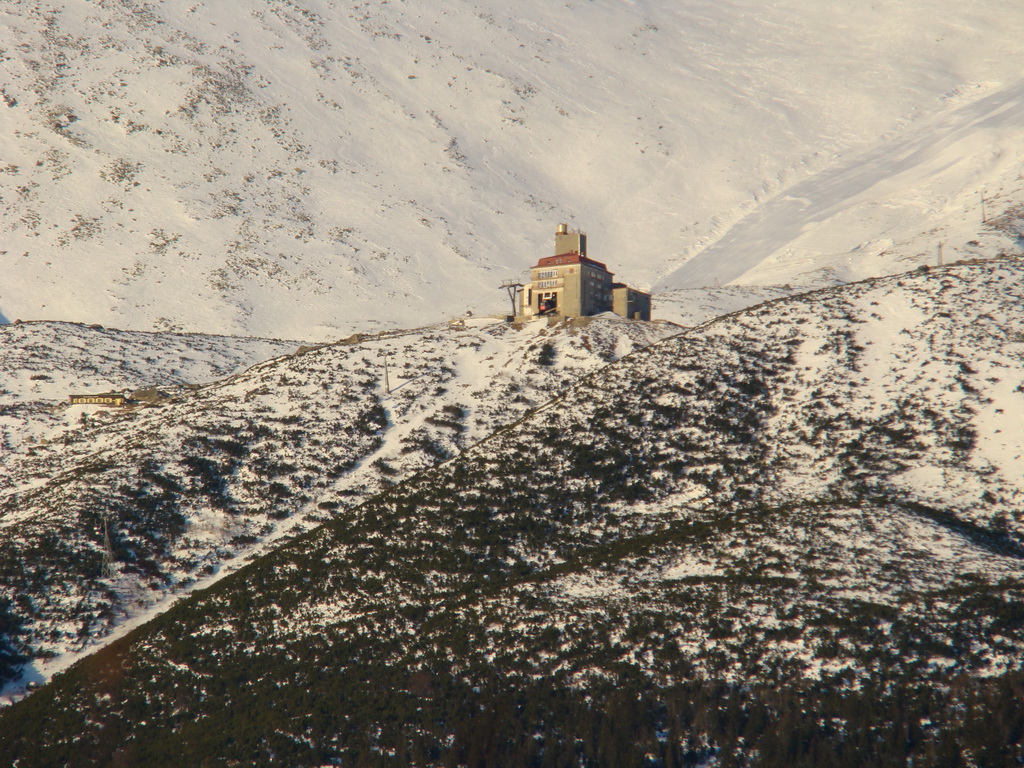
(428, 719)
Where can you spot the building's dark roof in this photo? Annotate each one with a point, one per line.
(569, 258)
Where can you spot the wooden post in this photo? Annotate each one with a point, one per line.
(108, 551)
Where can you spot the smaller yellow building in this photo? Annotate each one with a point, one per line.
(106, 398)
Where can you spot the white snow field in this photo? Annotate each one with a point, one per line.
(877, 178)
(307, 168)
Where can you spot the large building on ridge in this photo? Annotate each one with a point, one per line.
(570, 284)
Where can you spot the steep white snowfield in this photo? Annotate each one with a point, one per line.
(302, 169)
(949, 155)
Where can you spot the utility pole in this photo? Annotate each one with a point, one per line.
(939, 254)
(387, 379)
(984, 218)
(108, 551)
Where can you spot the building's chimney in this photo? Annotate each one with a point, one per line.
(563, 229)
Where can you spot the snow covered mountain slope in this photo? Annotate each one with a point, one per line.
(929, 183)
(42, 363)
(213, 472)
(818, 499)
(304, 169)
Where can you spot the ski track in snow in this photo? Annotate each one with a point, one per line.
(778, 222)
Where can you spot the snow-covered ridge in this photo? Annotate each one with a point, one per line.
(818, 487)
(818, 493)
(223, 469)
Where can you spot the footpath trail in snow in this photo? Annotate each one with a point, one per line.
(781, 220)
